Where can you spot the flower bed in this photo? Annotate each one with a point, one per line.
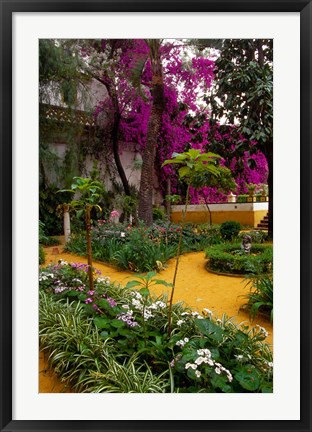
(140, 249)
(230, 258)
(115, 339)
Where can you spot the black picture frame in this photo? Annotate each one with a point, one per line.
(7, 9)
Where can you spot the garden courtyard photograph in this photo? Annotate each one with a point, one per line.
(155, 216)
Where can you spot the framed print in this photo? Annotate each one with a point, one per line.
(256, 401)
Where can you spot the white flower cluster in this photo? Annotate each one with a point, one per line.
(188, 315)
(104, 280)
(207, 311)
(182, 342)
(45, 276)
(146, 310)
(62, 262)
(204, 357)
(262, 330)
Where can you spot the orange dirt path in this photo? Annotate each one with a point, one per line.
(194, 285)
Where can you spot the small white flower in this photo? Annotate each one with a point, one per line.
(270, 364)
(198, 373)
(207, 311)
(207, 352)
(191, 365)
(180, 322)
(199, 360)
(180, 343)
(217, 371)
(239, 357)
(184, 313)
(161, 304)
(186, 340)
(230, 377)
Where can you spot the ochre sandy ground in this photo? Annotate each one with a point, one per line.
(194, 285)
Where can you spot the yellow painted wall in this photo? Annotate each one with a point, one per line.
(250, 218)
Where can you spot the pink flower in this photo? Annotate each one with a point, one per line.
(114, 213)
(88, 300)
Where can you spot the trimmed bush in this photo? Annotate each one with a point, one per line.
(230, 258)
(230, 230)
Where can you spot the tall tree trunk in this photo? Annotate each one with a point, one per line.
(89, 247)
(145, 210)
(269, 156)
(111, 90)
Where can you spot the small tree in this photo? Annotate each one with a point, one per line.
(193, 163)
(89, 195)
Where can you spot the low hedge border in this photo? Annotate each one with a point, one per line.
(230, 259)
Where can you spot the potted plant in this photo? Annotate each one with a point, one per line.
(251, 192)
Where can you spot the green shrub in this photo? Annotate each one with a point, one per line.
(41, 255)
(49, 201)
(230, 229)
(242, 198)
(141, 248)
(260, 297)
(230, 258)
(158, 214)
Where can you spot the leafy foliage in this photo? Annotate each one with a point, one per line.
(41, 255)
(231, 258)
(260, 297)
(229, 230)
(114, 339)
(140, 248)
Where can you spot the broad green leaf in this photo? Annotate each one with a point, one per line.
(248, 377)
(209, 329)
(144, 292)
(101, 322)
(79, 213)
(184, 171)
(162, 282)
(117, 323)
(133, 283)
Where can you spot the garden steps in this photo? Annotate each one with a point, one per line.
(264, 223)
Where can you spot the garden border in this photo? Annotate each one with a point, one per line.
(7, 9)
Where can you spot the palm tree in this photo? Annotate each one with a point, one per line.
(145, 210)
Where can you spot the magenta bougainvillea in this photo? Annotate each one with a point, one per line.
(187, 78)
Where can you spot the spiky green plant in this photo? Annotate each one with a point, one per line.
(260, 297)
(131, 376)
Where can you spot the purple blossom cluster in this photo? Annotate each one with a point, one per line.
(127, 317)
(84, 267)
(185, 121)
